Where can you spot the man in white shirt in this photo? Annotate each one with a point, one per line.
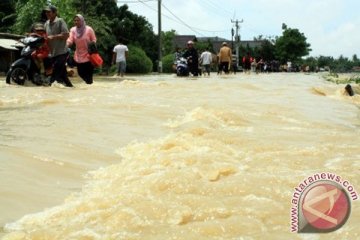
(120, 54)
(206, 59)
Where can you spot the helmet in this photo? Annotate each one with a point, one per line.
(190, 42)
(39, 27)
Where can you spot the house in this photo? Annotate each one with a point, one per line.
(9, 50)
(180, 41)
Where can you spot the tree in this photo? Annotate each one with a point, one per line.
(28, 12)
(7, 15)
(291, 46)
(167, 39)
(135, 29)
(342, 64)
(138, 61)
(311, 62)
(356, 61)
(267, 50)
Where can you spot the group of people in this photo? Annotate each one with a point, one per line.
(224, 59)
(52, 56)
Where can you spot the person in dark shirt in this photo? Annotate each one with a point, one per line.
(192, 58)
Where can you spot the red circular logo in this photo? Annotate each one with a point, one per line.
(326, 207)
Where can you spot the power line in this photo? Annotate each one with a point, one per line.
(135, 1)
(217, 8)
(185, 24)
(144, 3)
(177, 19)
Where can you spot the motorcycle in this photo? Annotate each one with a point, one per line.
(182, 68)
(25, 69)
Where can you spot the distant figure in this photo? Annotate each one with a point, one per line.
(253, 65)
(247, 60)
(120, 54)
(289, 66)
(260, 66)
(225, 58)
(349, 90)
(81, 35)
(177, 54)
(206, 59)
(192, 58)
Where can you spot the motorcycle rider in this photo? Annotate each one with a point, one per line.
(192, 57)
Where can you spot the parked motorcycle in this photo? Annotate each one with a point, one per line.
(25, 69)
(182, 68)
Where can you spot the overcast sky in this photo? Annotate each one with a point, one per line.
(332, 27)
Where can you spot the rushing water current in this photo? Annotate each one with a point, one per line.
(161, 157)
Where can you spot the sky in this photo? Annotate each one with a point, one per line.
(332, 27)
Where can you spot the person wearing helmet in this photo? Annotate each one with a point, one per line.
(192, 57)
(42, 52)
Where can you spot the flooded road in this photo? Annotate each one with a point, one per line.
(160, 157)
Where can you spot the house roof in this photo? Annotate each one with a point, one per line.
(10, 44)
(181, 40)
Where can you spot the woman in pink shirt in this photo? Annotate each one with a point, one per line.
(81, 35)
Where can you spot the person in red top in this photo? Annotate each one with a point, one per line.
(82, 35)
(247, 60)
(41, 53)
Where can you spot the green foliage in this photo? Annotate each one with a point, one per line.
(135, 30)
(28, 13)
(311, 62)
(138, 61)
(355, 79)
(167, 42)
(66, 10)
(168, 62)
(201, 46)
(291, 46)
(267, 50)
(7, 15)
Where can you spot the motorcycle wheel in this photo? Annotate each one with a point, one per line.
(17, 75)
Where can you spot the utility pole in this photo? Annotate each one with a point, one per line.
(159, 35)
(237, 39)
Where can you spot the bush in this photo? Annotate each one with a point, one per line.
(167, 63)
(138, 61)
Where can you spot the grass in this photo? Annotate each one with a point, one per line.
(342, 78)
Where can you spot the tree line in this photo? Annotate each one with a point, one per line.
(113, 23)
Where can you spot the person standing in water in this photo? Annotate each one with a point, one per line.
(225, 58)
(57, 34)
(192, 57)
(206, 59)
(81, 35)
(120, 54)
